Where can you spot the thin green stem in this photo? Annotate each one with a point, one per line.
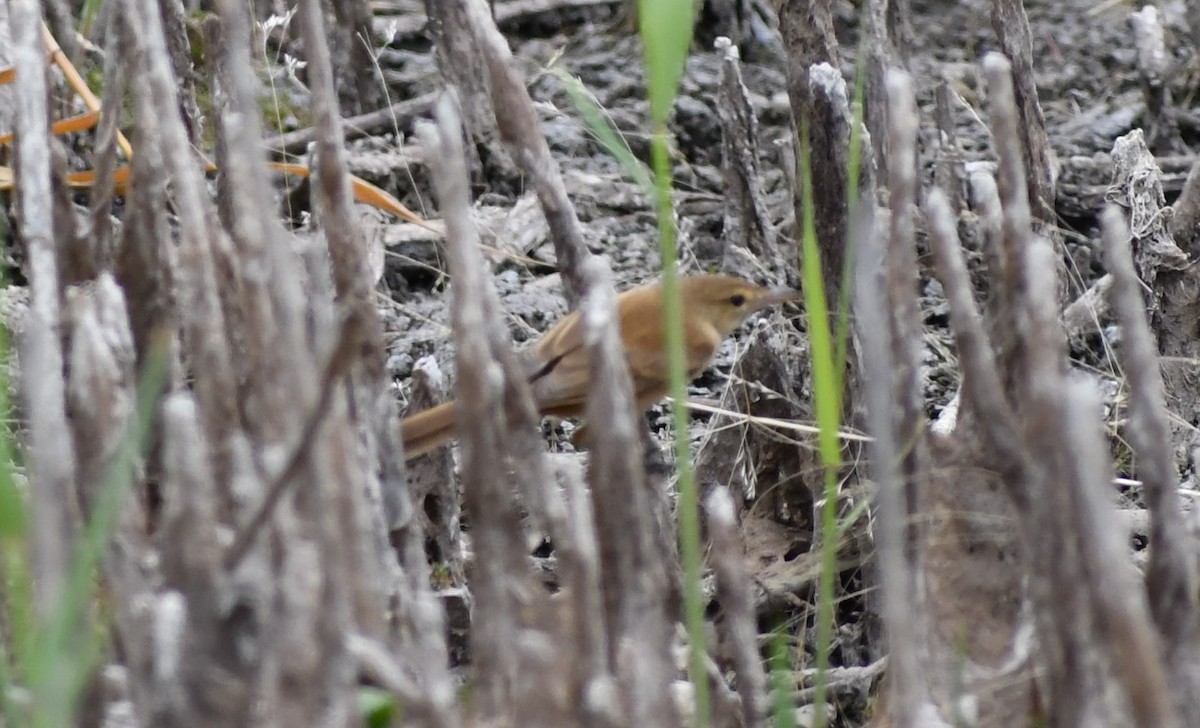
(828, 404)
(688, 505)
(781, 684)
(18, 600)
(14, 569)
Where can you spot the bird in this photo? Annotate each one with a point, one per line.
(559, 368)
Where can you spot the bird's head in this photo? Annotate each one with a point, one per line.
(726, 301)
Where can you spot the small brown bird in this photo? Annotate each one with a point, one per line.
(713, 306)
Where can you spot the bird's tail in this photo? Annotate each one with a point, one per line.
(429, 429)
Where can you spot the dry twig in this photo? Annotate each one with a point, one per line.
(519, 128)
(1172, 572)
(51, 442)
(1011, 26)
(733, 587)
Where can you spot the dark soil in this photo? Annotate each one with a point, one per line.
(1088, 85)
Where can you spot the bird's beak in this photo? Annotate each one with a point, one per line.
(777, 296)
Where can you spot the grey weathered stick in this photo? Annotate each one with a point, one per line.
(462, 67)
(829, 149)
(347, 249)
(377, 665)
(1168, 276)
(179, 47)
(1044, 343)
(399, 114)
(579, 553)
(634, 572)
(54, 521)
(841, 678)
(1122, 621)
(199, 309)
(807, 29)
(1172, 575)
(341, 360)
(191, 568)
(1005, 123)
(899, 21)
(734, 591)
(76, 254)
(949, 173)
(1185, 225)
(191, 558)
(418, 626)
(145, 268)
(901, 278)
(1014, 197)
(104, 154)
(1056, 597)
(904, 619)
(615, 474)
(501, 585)
(999, 309)
(519, 128)
(1137, 186)
(264, 274)
(1087, 314)
(880, 58)
(1192, 8)
(983, 389)
(1011, 26)
(370, 419)
(100, 395)
(1153, 67)
(747, 219)
(61, 21)
(817, 94)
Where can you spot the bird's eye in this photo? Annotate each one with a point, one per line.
(738, 300)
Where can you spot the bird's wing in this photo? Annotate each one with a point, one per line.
(557, 367)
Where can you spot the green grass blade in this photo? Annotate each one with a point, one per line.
(605, 132)
(16, 594)
(688, 503)
(827, 400)
(666, 28)
(781, 685)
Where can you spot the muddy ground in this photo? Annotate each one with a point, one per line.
(1090, 92)
(1087, 80)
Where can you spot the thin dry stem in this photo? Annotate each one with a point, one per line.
(501, 583)
(207, 339)
(1171, 579)
(734, 591)
(1131, 645)
(1012, 28)
(747, 218)
(901, 279)
(634, 571)
(1185, 225)
(51, 442)
(104, 155)
(519, 128)
(904, 618)
(982, 387)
